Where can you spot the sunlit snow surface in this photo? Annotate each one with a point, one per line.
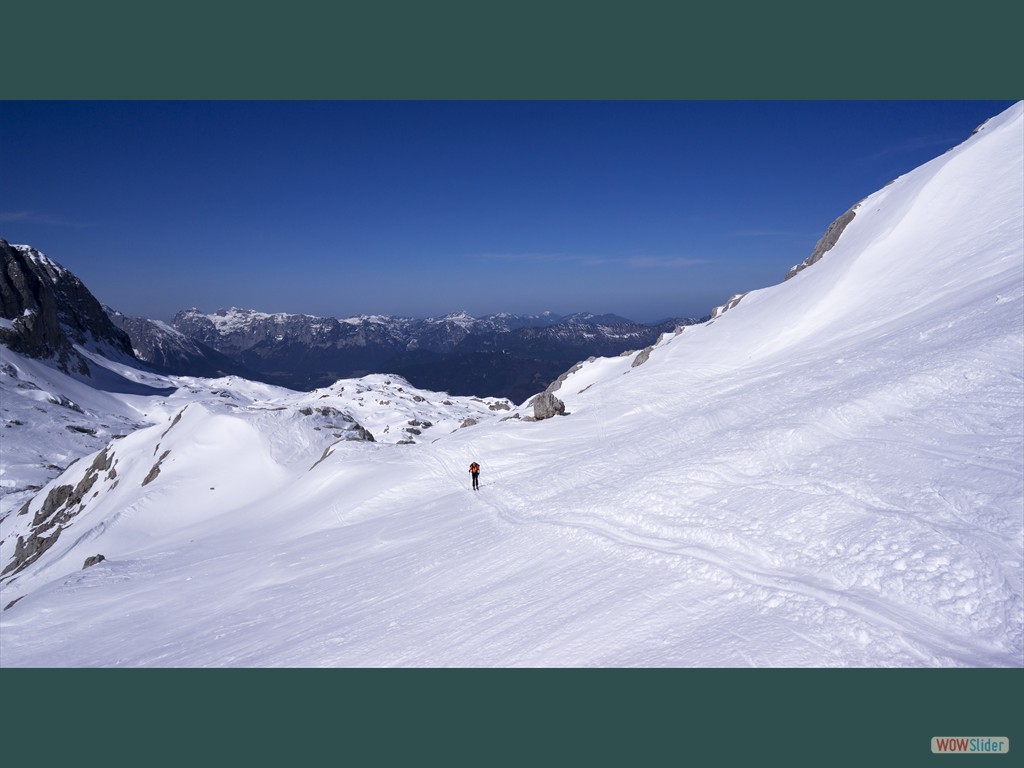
(828, 474)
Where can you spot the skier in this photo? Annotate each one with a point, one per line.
(474, 470)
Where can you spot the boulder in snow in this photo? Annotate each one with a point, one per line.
(546, 405)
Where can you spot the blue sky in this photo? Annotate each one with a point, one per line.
(647, 209)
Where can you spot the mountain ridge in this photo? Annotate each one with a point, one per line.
(47, 311)
(498, 355)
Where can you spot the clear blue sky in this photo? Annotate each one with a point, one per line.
(645, 209)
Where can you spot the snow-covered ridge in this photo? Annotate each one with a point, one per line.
(377, 319)
(296, 430)
(235, 319)
(231, 319)
(461, 318)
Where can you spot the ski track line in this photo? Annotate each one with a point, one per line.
(925, 639)
(924, 632)
(871, 610)
(869, 502)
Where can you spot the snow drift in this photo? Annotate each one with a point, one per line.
(827, 474)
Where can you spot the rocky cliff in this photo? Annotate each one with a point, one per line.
(45, 311)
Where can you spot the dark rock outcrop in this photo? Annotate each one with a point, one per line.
(360, 433)
(825, 244)
(94, 560)
(13, 602)
(556, 385)
(343, 425)
(154, 471)
(47, 310)
(62, 504)
(717, 312)
(642, 358)
(546, 405)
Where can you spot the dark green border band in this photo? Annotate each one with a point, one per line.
(506, 717)
(503, 50)
(522, 50)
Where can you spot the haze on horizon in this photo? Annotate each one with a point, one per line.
(643, 209)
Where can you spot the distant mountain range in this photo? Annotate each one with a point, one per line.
(499, 355)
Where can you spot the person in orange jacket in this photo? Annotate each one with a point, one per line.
(474, 470)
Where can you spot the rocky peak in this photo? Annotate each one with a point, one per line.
(45, 311)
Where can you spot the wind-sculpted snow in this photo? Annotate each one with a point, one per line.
(829, 474)
(295, 429)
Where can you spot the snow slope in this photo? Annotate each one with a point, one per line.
(828, 474)
(51, 419)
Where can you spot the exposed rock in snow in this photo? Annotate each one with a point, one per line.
(642, 357)
(826, 243)
(732, 302)
(545, 405)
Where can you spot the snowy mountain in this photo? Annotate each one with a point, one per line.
(499, 355)
(830, 473)
(45, 311)
(60, 391)
(170, 351)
